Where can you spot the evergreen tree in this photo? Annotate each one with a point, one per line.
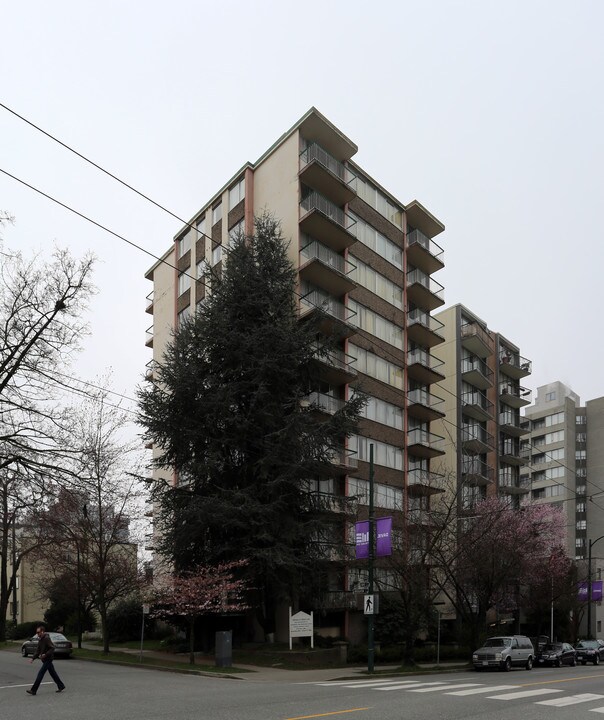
(227, 409)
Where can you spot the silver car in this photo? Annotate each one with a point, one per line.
(504, 653)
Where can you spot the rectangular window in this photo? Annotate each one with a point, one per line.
(183, 314)
(581, 524)
(376, 283)
(550, 396)
(581, 507)
(383, 453)
(376, 367)
(184, 245)
(235, 232)
(581, 419)
(384, 496)
(377, 242)
(216, 213)
(555, 419)
(236, 193)
(383, 412)
(580, 455)
(202, 268)
(375, 324)
(184, 283)
(216, 255)
(201, 227)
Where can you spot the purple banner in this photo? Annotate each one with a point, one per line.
(383, 538)
(596, 590)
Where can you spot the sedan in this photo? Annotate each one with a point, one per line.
(556, 654)
(589, 651)
(63, 647)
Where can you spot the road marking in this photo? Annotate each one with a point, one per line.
(570, 700)
(378, 684)
(362, 683)
(598, 710)
(7, 687)
(335, 712)
(523, 694)
(474, 691)
(400, 686)
(448, 687)
(556, 682)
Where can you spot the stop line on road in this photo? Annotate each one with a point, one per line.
(504, 692)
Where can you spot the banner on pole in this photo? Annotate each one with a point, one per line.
(596, 590)
(383, 538)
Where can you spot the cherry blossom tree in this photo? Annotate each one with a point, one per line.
(206, 590)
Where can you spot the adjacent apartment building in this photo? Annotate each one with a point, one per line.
(483, 395)
(368, 261)
(565, 446)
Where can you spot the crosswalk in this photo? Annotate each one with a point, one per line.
(464, 689)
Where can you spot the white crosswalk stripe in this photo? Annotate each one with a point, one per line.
(523, 694)
(570, 700)
(407, 687)
(598, 710)
(486, 689)
(443, 687)
(366, 683)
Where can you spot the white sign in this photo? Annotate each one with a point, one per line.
(368, 604)
(146, 609)
(301, 625)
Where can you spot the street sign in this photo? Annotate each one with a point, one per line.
(371, 605)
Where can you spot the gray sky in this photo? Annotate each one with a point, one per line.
(489, 113)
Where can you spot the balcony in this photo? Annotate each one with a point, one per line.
(335, 316)
(325, 268)
(150, 368)
(423, 329)
(419, 518)
(324, 220)
(149, 307)
(512, 424)
(149, 509)
(321, 171)
(475, 439)
(324, 403)
(423, 405)
(512, 484)
(149, 337)
(510, 453)
(476, 472)
(424, 291)
(514, 395)
(424, 444)
(514, 366)
(330, 502)
(423, 367)
(424, 253)
(337, 367)
(342, 460)
(477, 406)
(476, 339)
(422, 482)
(476, 372)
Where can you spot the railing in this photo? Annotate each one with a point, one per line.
(475, 330)
(475, 364)
(478, 468)
(508, 479)
(423, 397)
(508, 418)
(477, 399)
(343, 457)
(425, 478)
(315, 152)
(423, 437)
(314, 250)
(316, 300)
(336, 358)
(422, 357)
(476, 432)
(315, 201)
(151, 366)
(517, 361)
(419, 517)
(324, 402)
(417, 237)
(150, 298)
(418, 277)
(149, 336)
(418, 316)
(507, 447)
(329, 502)
(516, 391)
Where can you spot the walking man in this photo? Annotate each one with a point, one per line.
(46, 652)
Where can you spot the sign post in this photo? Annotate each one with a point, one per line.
(301, 625)
(146, 609)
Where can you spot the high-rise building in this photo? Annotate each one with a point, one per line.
(367, 259)
(482, 395)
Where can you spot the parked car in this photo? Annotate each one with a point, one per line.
(556, 654)
(505, 653)
(589, 651)
(63, 647)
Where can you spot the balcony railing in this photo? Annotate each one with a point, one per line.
(476, 339)
(342, 457)
(509, 419)
(417, 237)
(477, 434)
(151, 367)
(423, 397)
(477, 400)
(316, 201)
(477, 469)
(476, 365)
(515, 393)
(515, 483)
(337, 359)
(150, 298)
(425, 481)
(418, 436)
(314, 300)
(314, 250)
(421, 357)
(325, 403)
(149, 336)
(419, 278)
(514, 362)
(315, 152)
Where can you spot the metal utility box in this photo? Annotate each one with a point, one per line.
(224, 648)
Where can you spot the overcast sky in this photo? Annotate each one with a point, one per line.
(491, 114)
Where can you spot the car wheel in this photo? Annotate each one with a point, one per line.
(557, 662)
(597, 660)
(24, 651)
(508, 664)
(529, 664)
(573, 662)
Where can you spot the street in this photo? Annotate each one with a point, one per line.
(122, 693)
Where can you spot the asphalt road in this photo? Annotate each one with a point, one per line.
(97, 692)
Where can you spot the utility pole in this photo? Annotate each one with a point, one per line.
(370, 639)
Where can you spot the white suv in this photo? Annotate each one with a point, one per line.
(505, 653)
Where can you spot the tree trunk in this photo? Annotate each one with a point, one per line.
(192, 641)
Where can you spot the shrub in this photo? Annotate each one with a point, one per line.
(23, 631)
(124, 621)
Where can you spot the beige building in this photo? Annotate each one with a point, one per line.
(26, 603)
(367, 259)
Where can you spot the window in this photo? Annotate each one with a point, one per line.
(202, 268)
(216, 213)
(236, 193)
(579, 542)
(384, 496)
(201, 226)
(581, 489)
(216, 255)
(580, 455)
(377, 200)
(581, 524)
(581, 472)
(549, 438)
(377, 242)
(581, 419)
(554, 472)
(581, 507)
(184, 245)
(581, 437)
(375, 324)
(383, 412)
(235, 232)
(550, 396)
(183, 315)
(184, 283)
(554, 419)
(376, 283)
(383, 454)
(376, 367)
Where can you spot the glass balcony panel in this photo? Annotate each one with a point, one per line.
(424, 329)
(423, 290)
(323, 219)
(514, 365)
(424, 253)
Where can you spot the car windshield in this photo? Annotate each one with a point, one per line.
(552, 646)
(57, 637)
(588, 644)
(498, 642)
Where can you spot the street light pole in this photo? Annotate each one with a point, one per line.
(370, 625)
(590, 544)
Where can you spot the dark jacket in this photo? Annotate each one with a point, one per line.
(46, 648)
